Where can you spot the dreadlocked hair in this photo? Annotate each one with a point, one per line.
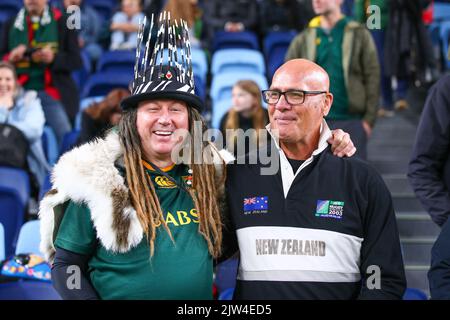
(204, 192)
(141, 189)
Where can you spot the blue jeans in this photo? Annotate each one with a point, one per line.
(386, 83)
(55, 116)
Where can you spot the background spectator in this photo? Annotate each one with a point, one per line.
(351, 64)
(231, 16)
(89, 34)
(439, 273)
(407, 46)
(429, 168)
(379, 36)
(22, 109)
(189, 11)
(283, 15)
(45, 52)
(246, 113)
(153, 7)
(101, 116)
(125, 25)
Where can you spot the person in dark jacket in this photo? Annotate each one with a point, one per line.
(91, 28)
(246, 113)
(439, 273)
(321, 227)
(407, 47)
(45, 52)
(284, 15)
(429, 168)
(230, 16)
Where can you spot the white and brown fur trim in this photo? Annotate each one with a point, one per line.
(87, 174)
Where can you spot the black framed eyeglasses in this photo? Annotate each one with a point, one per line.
(291, 96)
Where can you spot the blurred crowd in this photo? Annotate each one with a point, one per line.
(371, 68)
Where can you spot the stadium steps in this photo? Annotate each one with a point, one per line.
(389, 151)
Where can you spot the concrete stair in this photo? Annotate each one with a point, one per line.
(389, 151)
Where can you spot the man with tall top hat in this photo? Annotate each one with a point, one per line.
(136, 222)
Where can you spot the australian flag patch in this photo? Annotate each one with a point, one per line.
(256, 205)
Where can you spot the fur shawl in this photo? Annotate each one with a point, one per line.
(87, 174)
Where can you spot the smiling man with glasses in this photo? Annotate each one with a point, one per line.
(320, 227)
(291, 96)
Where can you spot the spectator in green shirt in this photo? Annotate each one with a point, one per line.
(345, 49)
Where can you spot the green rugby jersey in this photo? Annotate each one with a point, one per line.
(179, 270)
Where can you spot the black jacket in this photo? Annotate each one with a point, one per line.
(322, 240)
(217, 13)
(439, 273)
(285, 16)
(67, 59)
(429, 168)
(407, 47)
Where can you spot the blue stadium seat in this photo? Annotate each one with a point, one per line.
(199, 63)
(2, 243)
(100, 84)
(104, 8)
(82, 74)
(14, 195)
(219, 108)
(69, 140)
(28, 290)
(8, 9)
(29, 238)
(200, 88)
(226, 275)
(277, 38)
(197, 66)
(50, 145)
(275, 48)
(86, 102)
(117, 61)
(46, 186)
(434, 32)
(227, 40)
(238, 60)
(441, 11)
(223, 83)
(414, 294)
(276, 60)
(445, 34)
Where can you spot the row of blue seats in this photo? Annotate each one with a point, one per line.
(28, 242)
(51, 148)
(14, 197)
(235, 52)
(115, 70)
(15, 186)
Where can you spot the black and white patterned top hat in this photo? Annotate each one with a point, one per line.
(167, 72)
